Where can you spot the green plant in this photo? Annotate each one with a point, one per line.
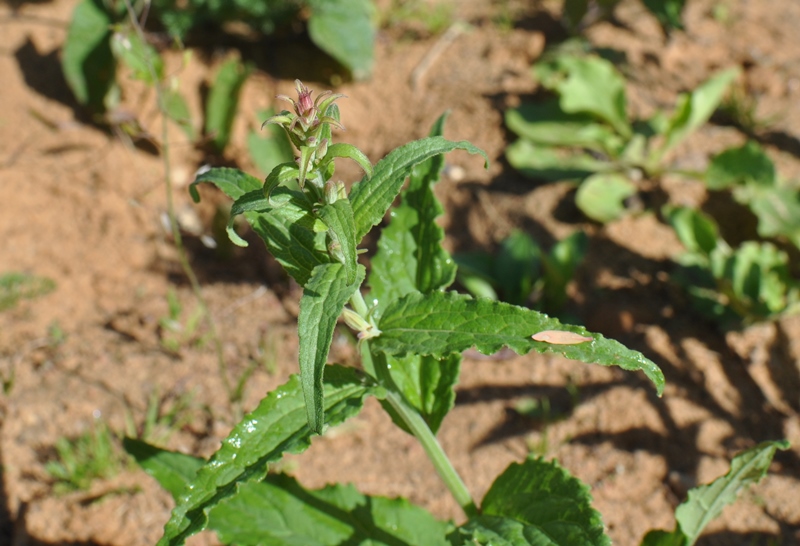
(411, 336)
(15, 286)
(174, 332)
(522, 273)
(585, 133)
(578, 14)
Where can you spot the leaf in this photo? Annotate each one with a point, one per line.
(272, 149)
(778, 212)
(668, 12)
(344, 30)
(338, 216)
(589, 85)
(537, 503)
(517, 266)
(223, 101)
(279, 425)
(172, 470)
(143, 60)
(697, 231)
(552, 164)
(279, 511)
(87, 61)
(323, 299)
(748, 164)
(706, 502)
(602, 196)
(232, 182)
(175, 108)
(373, 195)
(695, 108)
(439, 324)
(559, 269)
(342, 149)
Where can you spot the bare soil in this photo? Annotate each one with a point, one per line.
(83, 207)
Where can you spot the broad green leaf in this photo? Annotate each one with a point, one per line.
(559, 269)
(549, 506)
(668, 12)
(759, 276)
(552, 164)
(547, 124)
(269, 148)
(695, 108)
(778, 212)
(344, 30)
(87, 61)
(176, 109)
(602, 196)
(697, 231)
(373, 195)
(280, 512)
(324, 296)
(706, 502)
(338, 216)
(172, 470)
(440, 324)
(590, 85)
(748, 164)
(143, 60)
(232, 182)
(223, 101)
(279, 425)
(516, 267)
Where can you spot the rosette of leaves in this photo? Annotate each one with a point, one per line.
(585, 134)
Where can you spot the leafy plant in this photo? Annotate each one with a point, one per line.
(411, 337)
(585, 133)
(521, 273)
(732, 286)
(578, 14)
(15, 286)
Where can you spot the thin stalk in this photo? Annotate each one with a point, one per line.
(173, 223)
(422, 432)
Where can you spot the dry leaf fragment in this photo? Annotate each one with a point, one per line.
(560, 337)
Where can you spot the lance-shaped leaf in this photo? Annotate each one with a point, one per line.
(323, 299)
(173, 471)
(280, 511)
(223, 101)
(279, 425)
(441, 323)
(338, 216)
(232, 182)
(373, 195)
(706, 502)
(342, 149)
(537, 503)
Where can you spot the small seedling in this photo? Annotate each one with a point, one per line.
(15, 286)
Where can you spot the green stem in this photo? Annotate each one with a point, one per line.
(421, 431)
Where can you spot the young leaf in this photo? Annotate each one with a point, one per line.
(87, 61)
(439, 324)
(344, 30)
(279, 511)
(323, 299)
(223, 100)
(172, 470)
(342, 149)
(338, 216)
(552, 164)
(707, 501)
(373, 195)
(279, 425)
(602, 196)
(748, 164)
(537, 502)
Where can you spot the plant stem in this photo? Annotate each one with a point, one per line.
(422, 432)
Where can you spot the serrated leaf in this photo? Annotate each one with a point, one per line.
(324, 296)
(344, 30)
(440, 324)
(279, 425)
(279, 511)
(140, 57)
(223, 101)
(706, 502)
(373, 195)
(87, 61)
(747, 164)
(602, 196)
(539, 502)
(173, 471)
(552, 164)
(338, 216)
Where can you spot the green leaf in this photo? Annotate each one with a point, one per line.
(172, 470)
(344, 30)
(279, 511)
(440, 324)
(323, 299)
(697, 231)
(87, 61)
(602, 196)
(338, 216)
(695, 108)
(552, 164)
(272, 149)
(778, 212)
(547, 124)
(373, 195)
(232, 182)
(748, 164)
(668, 12)
(279, 425)
(758, 275)
(176, 109)
(559, 268)
(537, 503)
(517, 266)
(706, 502)
(144, 61)
(223, 101)
(342, 149)
(590, 85)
